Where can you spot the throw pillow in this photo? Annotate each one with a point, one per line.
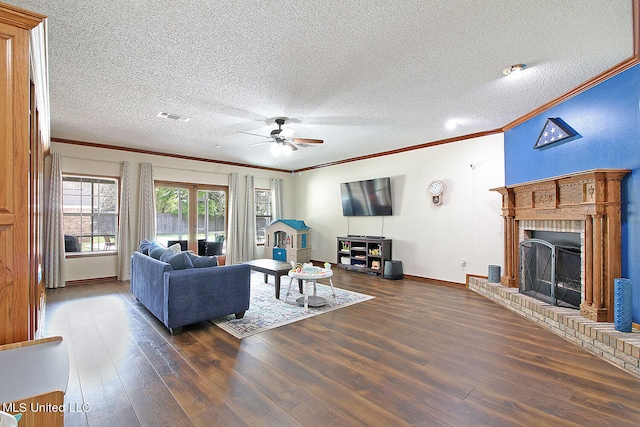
(176, 248)
(144, 247)
(158, 252)
(192, 256)
(178, 261)
(155, 245)
(203, 261)
(206, 261)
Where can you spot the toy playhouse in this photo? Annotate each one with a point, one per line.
(288, 240)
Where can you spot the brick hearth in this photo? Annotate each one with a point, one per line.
(599, 338)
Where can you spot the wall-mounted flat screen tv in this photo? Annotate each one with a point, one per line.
(367, 198)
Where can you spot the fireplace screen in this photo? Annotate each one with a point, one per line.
(550, 273)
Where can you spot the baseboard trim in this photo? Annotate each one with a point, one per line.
(436, 281)
(416, 278)
(90, 281)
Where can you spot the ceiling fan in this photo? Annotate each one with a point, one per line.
(282, 137)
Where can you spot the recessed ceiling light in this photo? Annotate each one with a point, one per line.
(172, 116)
(452, 124)
(514, 68)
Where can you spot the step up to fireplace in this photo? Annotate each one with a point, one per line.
(599, 338)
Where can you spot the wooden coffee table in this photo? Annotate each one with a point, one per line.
(273, 268)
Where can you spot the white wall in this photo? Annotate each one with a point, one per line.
(431, 241)
(104, 162)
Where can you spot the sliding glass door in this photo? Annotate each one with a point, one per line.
(192, 215)
(172, 215)
(212, 220)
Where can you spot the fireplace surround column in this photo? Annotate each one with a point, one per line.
(509, 278)
(597, 263)
(588, 262)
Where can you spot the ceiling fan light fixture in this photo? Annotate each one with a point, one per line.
(514, 68)
(284, 143)
(281, 149)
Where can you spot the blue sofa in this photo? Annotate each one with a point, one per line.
(190, 295)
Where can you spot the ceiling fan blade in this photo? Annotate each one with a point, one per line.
(307, 141)
(293, 147)
(286, 132)
(259, 143)
(254, 134)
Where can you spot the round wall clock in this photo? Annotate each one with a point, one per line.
(436, 188)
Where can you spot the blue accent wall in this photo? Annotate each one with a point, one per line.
(607, 117)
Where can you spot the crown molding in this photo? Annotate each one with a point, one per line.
(18, 17)
(156, 153)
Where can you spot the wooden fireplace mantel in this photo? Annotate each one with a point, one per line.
(591, 196)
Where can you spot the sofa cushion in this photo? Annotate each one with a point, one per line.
(203, 261)
(178, 261)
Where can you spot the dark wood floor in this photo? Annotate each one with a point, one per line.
(418, 354)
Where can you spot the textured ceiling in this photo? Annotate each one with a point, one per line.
(365, 76)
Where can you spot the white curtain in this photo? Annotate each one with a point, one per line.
(54, 235)
(147, 204)
(277, 198)
(124, 225)
(233, 229)
(40, 75)
(249, 237)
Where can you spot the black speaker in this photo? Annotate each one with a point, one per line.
(393, 270)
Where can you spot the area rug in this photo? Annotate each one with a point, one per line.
(266, 312)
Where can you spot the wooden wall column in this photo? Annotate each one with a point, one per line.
(18, 275)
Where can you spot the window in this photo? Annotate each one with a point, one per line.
(191, 213)
(263, 213)
(90, 213)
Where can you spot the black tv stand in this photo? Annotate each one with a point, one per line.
(363, 253)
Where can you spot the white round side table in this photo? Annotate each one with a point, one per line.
(311, 300)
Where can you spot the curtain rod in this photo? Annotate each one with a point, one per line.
(189, 170)
(154, 166)
(90, 160)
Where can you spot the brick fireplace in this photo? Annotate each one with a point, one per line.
(586, 202)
